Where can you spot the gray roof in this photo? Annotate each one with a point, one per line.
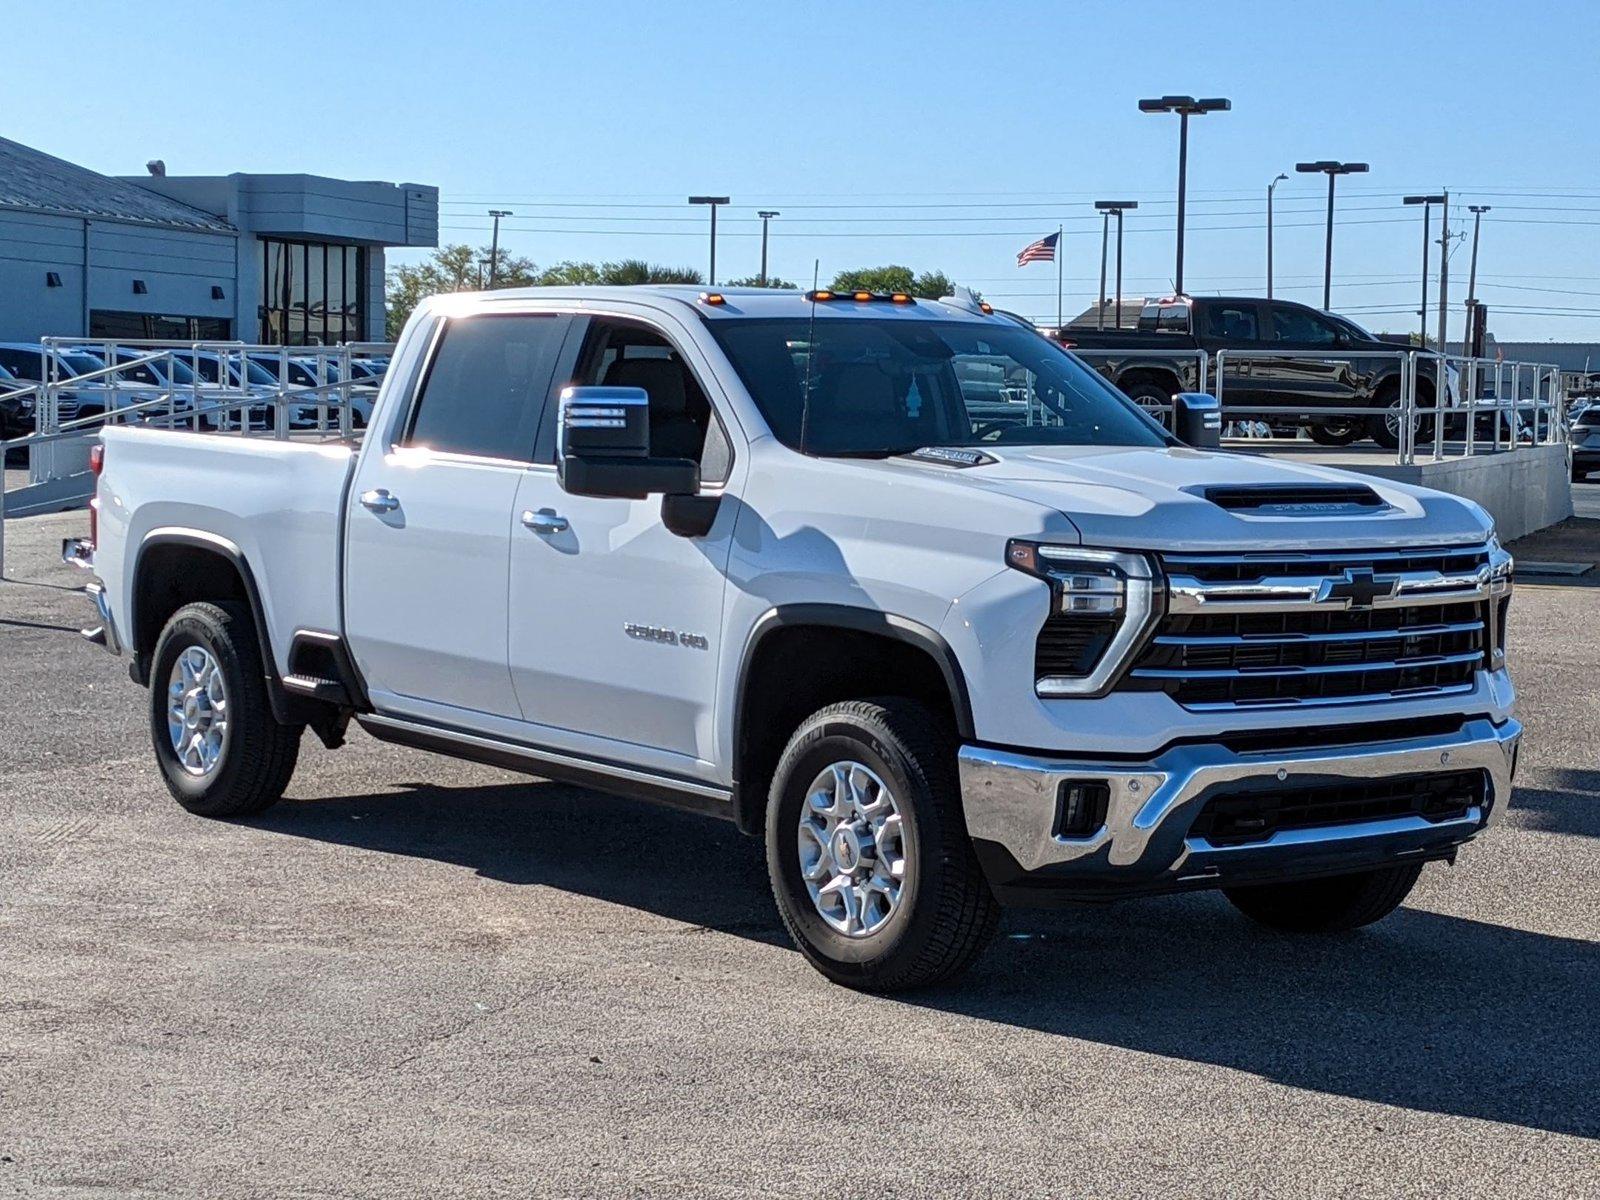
(39, 182)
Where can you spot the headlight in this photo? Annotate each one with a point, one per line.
(1502, 578)
(1102, 604)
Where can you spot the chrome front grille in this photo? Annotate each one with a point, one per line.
(1290, 629)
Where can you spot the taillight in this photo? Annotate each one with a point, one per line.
(97, 464)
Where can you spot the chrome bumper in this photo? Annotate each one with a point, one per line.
(76, 552)
(1010, 801)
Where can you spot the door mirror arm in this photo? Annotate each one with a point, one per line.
(690, 515)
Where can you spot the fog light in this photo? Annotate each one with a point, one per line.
(1081, 807)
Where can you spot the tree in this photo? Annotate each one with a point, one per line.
(460, 268)
(452, 268)
(755, 281)
(929, 285)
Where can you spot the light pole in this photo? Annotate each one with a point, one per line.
(1281, 177)
(1108, 207)
(1427, 203)
(494, 243)
(1332, 170)
(713, 201)
(766, 215)
(1185, 107)
(1471, 337)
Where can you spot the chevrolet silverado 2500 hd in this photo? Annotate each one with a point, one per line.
(899, 585)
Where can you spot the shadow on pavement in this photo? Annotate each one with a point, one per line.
(1424, 1011)
(1571, 806)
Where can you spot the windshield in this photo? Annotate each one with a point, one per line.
(156, 371)
(888, 387)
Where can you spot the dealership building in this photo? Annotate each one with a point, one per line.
(277, 259)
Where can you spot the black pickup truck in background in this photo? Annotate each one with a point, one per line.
(1161, 359)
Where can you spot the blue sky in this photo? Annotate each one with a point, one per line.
(593, 121)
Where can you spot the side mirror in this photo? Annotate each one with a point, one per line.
(603, 447)
(1197, 420)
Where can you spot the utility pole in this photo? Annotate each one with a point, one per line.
(1332, 170)
(1444, 278)
(713, 202)
(494, 244)
(766, 215)
(1270, 186)
(1185, 107)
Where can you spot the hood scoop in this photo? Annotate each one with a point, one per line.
(1293, 499)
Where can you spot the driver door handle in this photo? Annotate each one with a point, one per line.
(379, 500)
(544, 521)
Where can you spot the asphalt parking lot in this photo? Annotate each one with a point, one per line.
(421, 978)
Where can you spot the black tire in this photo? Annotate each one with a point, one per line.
(1378, 426)
(1332, 905)
(1146, 393)
(1337, 432)
(258, 755)
(946, 913)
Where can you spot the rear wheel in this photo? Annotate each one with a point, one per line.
(1148, 394)
(1327, 905)
(220, 749)
(868, 854)
(1384, 427)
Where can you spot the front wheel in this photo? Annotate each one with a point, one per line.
(1384, 428)
(220, 749)
(867, 848)
(1336, 431)
(1327, 905)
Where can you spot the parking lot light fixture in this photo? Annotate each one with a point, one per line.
(766, 215)
(1427, 203)
(713, 202)
(1108, 207)
(1332, 170)
(1270, 187)
(1185, 107)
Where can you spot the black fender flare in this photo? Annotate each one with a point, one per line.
(199, 539)
(859, 620)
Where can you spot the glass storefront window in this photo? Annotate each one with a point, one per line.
(312, 293)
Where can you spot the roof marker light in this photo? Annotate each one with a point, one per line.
(712, 298)
(820, 294)
(900, 298)
(863, 295)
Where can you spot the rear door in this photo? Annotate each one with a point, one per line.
(1233, 325)
(430, 516)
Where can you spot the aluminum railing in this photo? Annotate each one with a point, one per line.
(58, 450)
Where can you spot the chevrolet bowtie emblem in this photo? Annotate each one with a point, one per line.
(1357, 588)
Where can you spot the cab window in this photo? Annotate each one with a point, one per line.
(484, 391)
(1232, 322)
(1298, 325)
(618, 353)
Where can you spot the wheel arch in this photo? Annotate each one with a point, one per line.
(149, 609)
(922, 664)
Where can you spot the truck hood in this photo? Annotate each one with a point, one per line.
(1138, 499)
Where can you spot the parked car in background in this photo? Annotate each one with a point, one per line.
(1162, 354)
(27, 362)
(1585, 435)
(308, 372)
(16, 407)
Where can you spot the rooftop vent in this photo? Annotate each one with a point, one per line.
(156, 167)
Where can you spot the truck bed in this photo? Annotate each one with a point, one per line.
(276, 503)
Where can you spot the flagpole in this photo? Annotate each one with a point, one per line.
(1061, 266)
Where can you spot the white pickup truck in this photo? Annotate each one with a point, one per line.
(899, 585)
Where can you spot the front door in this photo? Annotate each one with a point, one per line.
(615, 620)
(430, 521)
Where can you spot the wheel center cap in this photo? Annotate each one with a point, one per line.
(846, 849)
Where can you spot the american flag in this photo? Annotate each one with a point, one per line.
(1044, 250)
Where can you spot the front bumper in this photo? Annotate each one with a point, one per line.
(1146, 845)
